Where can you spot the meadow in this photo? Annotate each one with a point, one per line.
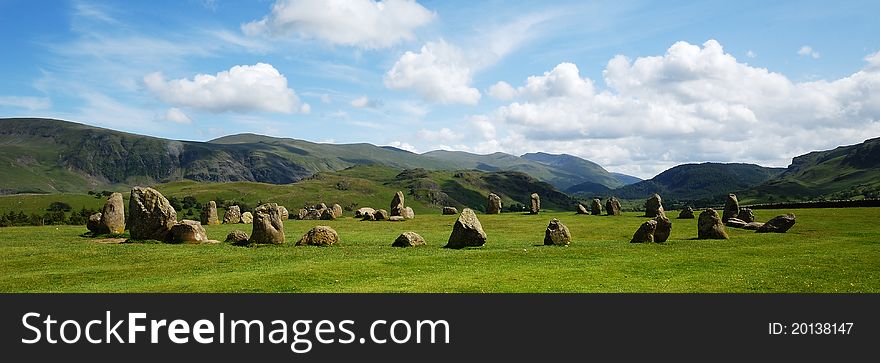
(826, 251)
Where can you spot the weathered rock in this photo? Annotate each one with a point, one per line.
(319, 236)
(232, 215)
(409, 213)
(709, 225)
(328, 215)
(360, 212)
(320, 206)
(557, 234)
(654, 206)
(368, 216)
(151, 216)
(731, 208)
(209, 214)
(187, 231)
(687, 213)
(302, 213)
(645, 233)
(397, 204)
(535, 205)
(746, 215)
(285, 214)
(612, 207)
(494, 204)
(467, 231)
(663, 230)
(449, 210)
(735, 223)
(94, 224)
(337, 211)
(313, 214)
(268, 228)
(596, 207)
(237, 237)
(779, 224)
(113, 215)
(381, 215)
(248, 218)
(753, 226)
(581, 209)
(408, 239)
(396, 219)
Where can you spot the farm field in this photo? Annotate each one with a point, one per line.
(828, 250)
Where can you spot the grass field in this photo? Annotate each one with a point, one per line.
(827, 251)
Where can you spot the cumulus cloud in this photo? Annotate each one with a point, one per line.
(444, 135)
(502, 91)
(259, 87)
(807, 51)
(439, 73)
(363, 23)
(174, 114)
(365, 102)
(694, 103)
(403, 146)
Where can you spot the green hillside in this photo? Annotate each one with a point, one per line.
(577, 166)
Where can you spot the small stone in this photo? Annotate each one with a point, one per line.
(248, 218)
(449, 210)
(237, 237)
(779, 224)
(319, 236)
(408, 239)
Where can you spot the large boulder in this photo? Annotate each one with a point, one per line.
(328, 215)
(268, 228)
(687, 213)
(113, 215)
(709, 226)
(209, 214)
(449, 210)
(612, 207)
(408, 213)
(94, 224)
(381, 215)
(319, 236)
(150, 215)
(408, 239)
(557, 234)
(187, 231)
(663, 230)
(779, 224)
(237, 237)
(337, 211)
(735, 223)
(467, 231)
(581, 209)
(654, 206)
(313, 214)
(360, 212)
(645, 233)
(731, 208)
(596, 207)
(232, 215)
(535, 205)
(397, 204)
(248, 218)
(285, 214)
(494, 204)
(746, 215)
(320, 206)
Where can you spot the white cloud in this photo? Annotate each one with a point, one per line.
(403, 146)
(444, 135)
(174, 114)
(808, 51)
(502, 91)
(362, 23)
(751, 54)
(365, 102)
(28, 103)
(305, 108)
(438, 73)
(242, 88)
(694, 103)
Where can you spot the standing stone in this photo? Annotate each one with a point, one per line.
(248, 218)
(319, 236)
(337, 211)
(654, 206)
(188, 231)
(645, 233)
(151, 216)
(467, 231)
(368, 216)
(557, 234)
(313, 214)
(494, 204)
(735, 223)
(113, 215)
(612, 207)
(731, 208)
(409, 239)
(302, 213)
(753, 226)
(396, 219)
(328, 215)
(535, 206)
(94, 224)
(596, 207)
(687, 213)
(285, 214)
(397, 204)
(663, 230)
(408, 213)
(381, 215)
(360, 212)
(320, 206)
(232, 215)
(747, 215)
(267, 225)
(581, 209)
(779, 224)
(237, 237)
(449, 210)
(709, 225)
(209, 214)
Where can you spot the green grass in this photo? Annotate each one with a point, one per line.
(827, 251)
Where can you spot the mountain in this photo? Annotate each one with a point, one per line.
(626, 179)
(847, 172)
(695, 182)
(590, 171)
(50, 156)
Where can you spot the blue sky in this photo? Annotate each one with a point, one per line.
(637, 86)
